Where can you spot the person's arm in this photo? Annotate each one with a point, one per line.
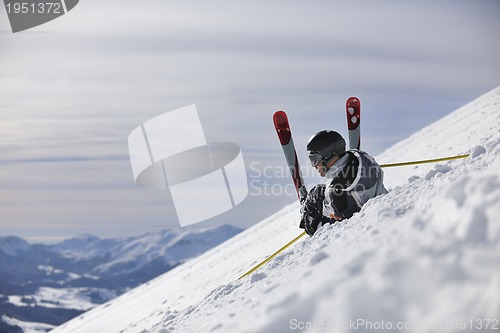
(340, 204)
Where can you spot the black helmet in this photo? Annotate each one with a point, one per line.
(323, 145)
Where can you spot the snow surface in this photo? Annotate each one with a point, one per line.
(61, 298)
(28, 327)
(423, 258)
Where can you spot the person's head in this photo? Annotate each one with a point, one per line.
(324, 149)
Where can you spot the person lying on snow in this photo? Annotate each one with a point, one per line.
(353, 177)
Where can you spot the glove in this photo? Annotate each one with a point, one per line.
(302, 194)
(312, 210)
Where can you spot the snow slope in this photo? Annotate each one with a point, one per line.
(423, 258)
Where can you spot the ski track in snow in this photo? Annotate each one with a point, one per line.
(426, 255)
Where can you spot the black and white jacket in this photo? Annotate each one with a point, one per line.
(352, 181)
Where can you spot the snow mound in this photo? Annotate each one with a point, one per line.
(471, 127)
(423, 258)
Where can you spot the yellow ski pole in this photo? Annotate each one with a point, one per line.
(424, 161)
(272, 256)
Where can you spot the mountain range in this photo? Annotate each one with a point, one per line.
(50, 284)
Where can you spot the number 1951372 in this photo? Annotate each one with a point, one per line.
(34, 8)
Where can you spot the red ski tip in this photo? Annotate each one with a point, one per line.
(353, 101)
(280, 119)
(282, 127)
(353, 112)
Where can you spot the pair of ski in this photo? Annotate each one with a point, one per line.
(353, 113)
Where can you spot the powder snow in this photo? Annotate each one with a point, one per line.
(423, 258)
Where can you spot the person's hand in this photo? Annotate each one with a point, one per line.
(312, 209)
(302, 194)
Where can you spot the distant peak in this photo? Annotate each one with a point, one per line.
(12, 245)
(87, 237)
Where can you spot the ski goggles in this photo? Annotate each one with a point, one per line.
(315, 159)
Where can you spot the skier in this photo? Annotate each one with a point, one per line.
(353, 177)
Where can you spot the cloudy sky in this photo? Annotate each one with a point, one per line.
(72, 90)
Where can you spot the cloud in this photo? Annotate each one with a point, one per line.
(69, 98)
